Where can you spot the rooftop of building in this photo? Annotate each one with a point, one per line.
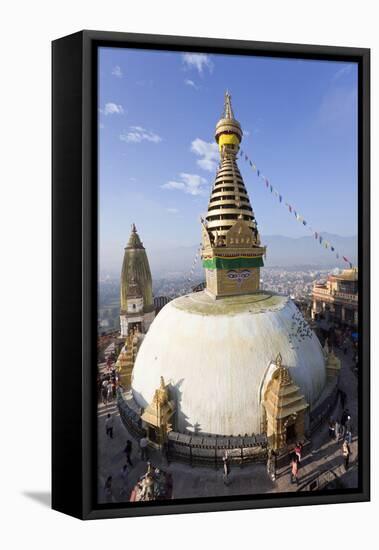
(346, 275)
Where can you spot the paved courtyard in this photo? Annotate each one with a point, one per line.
(322, 459)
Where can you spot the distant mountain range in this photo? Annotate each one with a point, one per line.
(281, 252)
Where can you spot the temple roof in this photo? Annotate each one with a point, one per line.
(134, 239)
(283, 397)
(135, 275)
(346, 275)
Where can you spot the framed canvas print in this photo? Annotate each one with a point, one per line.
(210, 275)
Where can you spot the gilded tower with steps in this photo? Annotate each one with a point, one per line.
(231, 249)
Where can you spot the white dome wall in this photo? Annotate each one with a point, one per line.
(216, 364)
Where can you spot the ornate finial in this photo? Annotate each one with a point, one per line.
(134, 240)
(162, 383)
(278, 360)
(228, 111)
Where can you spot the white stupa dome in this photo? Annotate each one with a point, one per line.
(218, 356)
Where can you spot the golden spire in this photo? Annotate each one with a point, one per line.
(231, 242)
(228, 111)
(228, 129)
(229, 201)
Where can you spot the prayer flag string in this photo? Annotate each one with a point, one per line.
(271, 188)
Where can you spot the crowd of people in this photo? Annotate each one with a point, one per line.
(341, 430)
(107, 382)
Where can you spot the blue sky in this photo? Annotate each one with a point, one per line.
(157, 162)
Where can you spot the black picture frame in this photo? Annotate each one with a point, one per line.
(74, 271)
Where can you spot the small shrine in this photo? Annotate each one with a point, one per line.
(285, 408)
(126, 359)
(155, 484)
(158, 415)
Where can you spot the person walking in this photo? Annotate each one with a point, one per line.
(337, 430)
(344, 418)
(128, 452)
(348, 430)
(104, 391)
(271, 464)
(109, 426)
(346, 454)
(226, 468)
(294, 470)
(298, 451)
(143, 446)
(331, 429)
(109, 392)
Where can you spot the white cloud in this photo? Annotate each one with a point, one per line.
(192, 184)
(136, 134)
(338, 108)
(112, 109)
(208, 152)
(191, 83)
(116, 71)
(172, 210)
(346, 69)
(198, 61)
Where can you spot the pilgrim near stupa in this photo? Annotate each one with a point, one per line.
(233, 359)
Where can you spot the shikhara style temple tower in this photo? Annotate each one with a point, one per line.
(232, 253)
(137, 305)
